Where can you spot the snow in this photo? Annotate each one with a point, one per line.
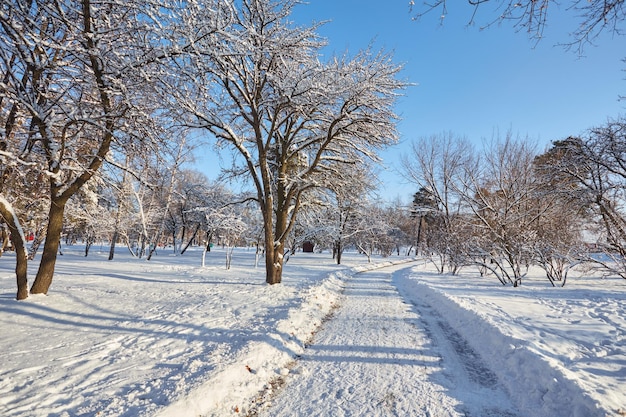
(578, 331)
(169, 338)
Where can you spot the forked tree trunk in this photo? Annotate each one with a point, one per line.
(193, 237)
(50, 249)
(21, 257)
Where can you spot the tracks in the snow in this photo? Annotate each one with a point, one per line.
(383, 355)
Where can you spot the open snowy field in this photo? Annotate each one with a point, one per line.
(170, 338)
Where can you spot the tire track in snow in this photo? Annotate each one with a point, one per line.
(465, 373)
(532, 385)
(379, 357)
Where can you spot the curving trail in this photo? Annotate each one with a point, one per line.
(381, 355)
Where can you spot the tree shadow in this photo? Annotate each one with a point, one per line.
(169, 328)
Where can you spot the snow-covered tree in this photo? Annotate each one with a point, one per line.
(437, 164)
(501, 192)
(373, 231)
(559, 230)
(225, 220)
(73, 82)
(341, 206)
(193, 191)
(259, 87)
(86, 218)
(592, 169)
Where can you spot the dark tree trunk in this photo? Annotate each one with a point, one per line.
(113, 243)
(142, 247)
(339, 250)
(43, 280)
(193, 237)
(21, 258)
(151, 250)
(21, 266)
(209, 240)
(153, 245)
(419, 235)
(88, 243)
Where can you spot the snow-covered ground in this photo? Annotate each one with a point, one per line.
(170, 338)
(378, 356)
(556, 351)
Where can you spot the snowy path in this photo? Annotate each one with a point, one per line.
(382, 356)
(168, 339)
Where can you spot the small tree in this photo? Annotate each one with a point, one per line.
(502, 195)
(594, 169)
(423, 211)
(345, 204)
(373, 231)
(86, 218)
(559, 230)
(437, 165)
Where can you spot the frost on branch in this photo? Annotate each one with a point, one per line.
(76, 83)
(292, 120)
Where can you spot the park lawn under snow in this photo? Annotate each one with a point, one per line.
(168, 337)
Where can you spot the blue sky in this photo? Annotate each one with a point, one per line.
(474, 82)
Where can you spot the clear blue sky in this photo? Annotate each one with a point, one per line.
(472, 82)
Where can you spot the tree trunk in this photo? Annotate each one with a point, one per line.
(116, 231)
(88, 243)
(5, 240)
(274, 263)
(183, 234)
(257, 253)
(419, 235)
(339, 249)
(21, 265)
(141, 251)
(21, 257)
(152, 249)
(193, 237)
(43, 280)
(229, 255)
(275, 244)
(113, 243)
